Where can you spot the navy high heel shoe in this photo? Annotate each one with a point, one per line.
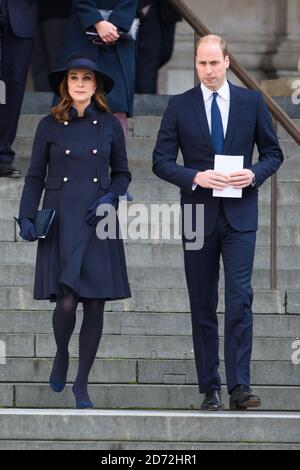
(57, 387)
(82, 405)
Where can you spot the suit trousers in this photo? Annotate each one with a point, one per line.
(154, 49)
(16, 54)
(202, 275)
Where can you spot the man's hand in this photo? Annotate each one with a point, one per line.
(107, 31)
(241, 179)
(211, 179)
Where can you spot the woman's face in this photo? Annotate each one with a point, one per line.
(81, 85)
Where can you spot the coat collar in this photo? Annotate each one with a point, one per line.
(90, 112)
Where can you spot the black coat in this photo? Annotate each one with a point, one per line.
(72, 254)
(54, 9)
(23, 17)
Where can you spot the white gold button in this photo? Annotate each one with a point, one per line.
(66, 123)
(68, 152)
(95, 180)
(65, 179)
(95, 122)
(95, 151)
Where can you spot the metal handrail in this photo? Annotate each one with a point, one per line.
(279, 116)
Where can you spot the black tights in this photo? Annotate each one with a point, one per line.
(64, 320)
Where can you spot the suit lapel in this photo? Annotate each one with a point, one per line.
(233, 117)
(199, 108)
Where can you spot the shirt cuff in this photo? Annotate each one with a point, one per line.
(194, 187)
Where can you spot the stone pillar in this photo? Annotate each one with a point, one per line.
(287, 59)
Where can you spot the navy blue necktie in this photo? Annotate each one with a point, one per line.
(217, 132)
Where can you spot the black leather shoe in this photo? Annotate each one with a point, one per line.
(212, 401)
(242, 398)
(8, 171)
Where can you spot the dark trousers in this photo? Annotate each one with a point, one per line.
(47, 51)
(16, 54)
(154, 49)
(202, 274)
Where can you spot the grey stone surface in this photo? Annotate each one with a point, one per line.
(146, 300)
(150, 426)
(144, 371)
(141, 323)
(26, 370)
(162, 347)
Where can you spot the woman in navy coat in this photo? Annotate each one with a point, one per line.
(81, 147)
(117, 61)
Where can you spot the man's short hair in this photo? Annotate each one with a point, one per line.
(213, 38)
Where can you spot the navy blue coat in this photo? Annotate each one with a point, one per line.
(117, 61)
(185, 127)
(23, 17)
(71, 254)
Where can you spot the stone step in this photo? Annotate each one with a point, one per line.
(158, 190)
(282, 134)
(151, 277)
(148, 324)
(140, 126)
(163, 397)
(141, 371)
(141, 148)
(289, 171)
(157, 300)
(288, 214)
(152, 256)
(140, 346)
(133, 446)
(140, 427)
(286, 235)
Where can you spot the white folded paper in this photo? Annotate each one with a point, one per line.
(228, 164)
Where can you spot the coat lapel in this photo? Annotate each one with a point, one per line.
(233, 117)
(199, 107)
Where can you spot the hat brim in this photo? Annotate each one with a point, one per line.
(57, 76)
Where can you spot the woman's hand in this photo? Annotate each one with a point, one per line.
(107, 31)
(109, 198)
(27, 231)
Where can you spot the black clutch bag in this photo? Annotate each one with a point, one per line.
(42, 221)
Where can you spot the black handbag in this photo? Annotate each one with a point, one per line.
(42, 221)
(93, 36)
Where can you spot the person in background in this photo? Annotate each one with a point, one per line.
(18, 19)
(52, 24)
(116, 57)
(155, 42)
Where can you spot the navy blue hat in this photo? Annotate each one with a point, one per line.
(79, 62)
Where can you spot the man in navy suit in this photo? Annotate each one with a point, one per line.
(18, 22)
(219, 118)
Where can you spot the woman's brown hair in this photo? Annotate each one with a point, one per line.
(60, 112)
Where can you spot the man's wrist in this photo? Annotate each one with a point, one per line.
(253, 182)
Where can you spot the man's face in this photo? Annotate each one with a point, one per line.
(211, 65)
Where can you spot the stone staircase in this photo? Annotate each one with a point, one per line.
(144, 378)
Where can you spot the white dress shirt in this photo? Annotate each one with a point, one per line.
(223, 100)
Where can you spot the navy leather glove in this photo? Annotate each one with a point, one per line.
(27, 231)
(108, 198)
